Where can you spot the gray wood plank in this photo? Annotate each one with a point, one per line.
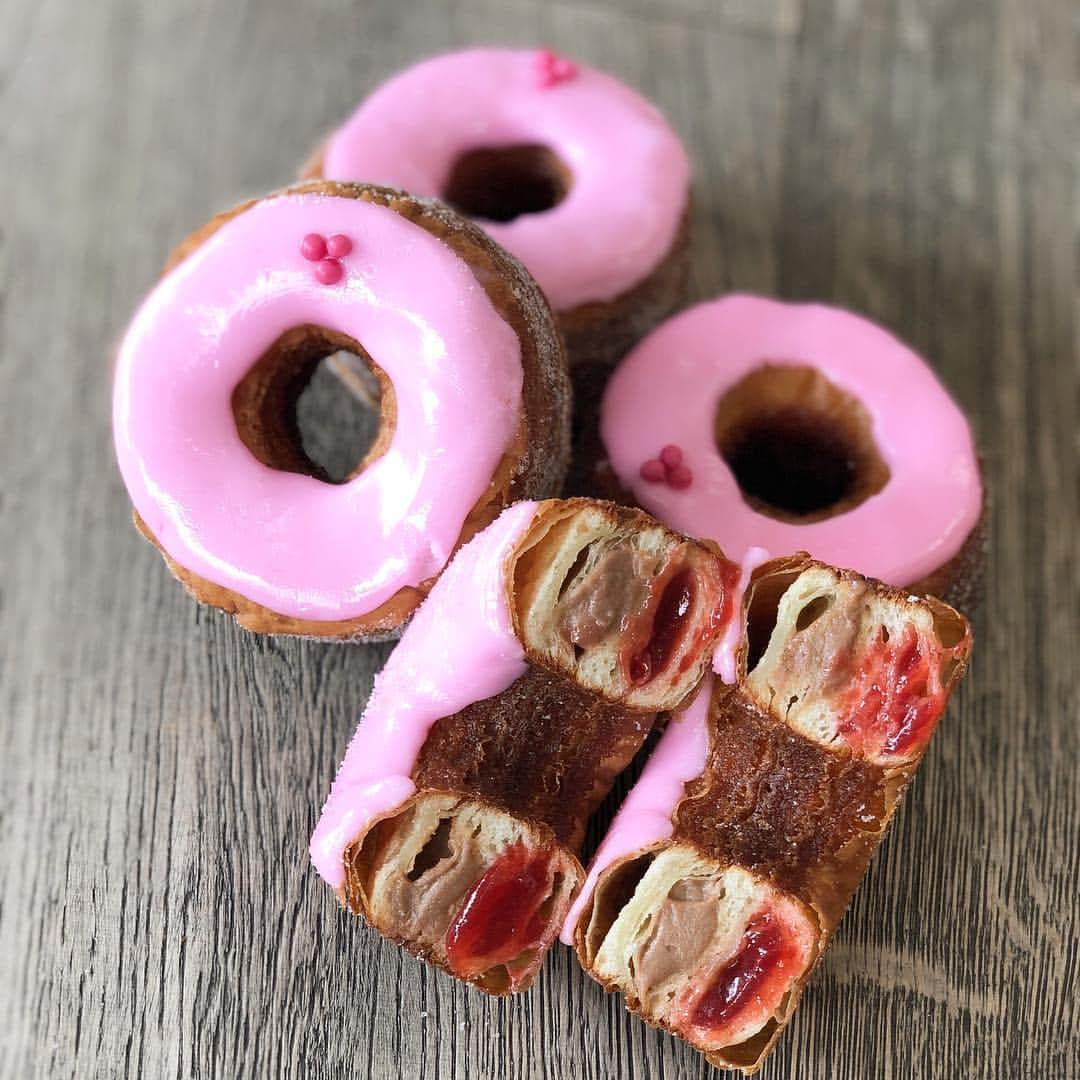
(160, 770)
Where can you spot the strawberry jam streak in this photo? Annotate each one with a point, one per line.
(752, 982)
(673, 619)
(500, 917)
(895, 697)
(667, 629)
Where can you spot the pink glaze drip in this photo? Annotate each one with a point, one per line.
(459, 648)
(725, 659)
(645, 816)
(292, 543)
(667, 389)
(630, 173)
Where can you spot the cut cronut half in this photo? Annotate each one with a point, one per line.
(610, 598)
(713, 933)
(431, 876)
(849, 663)
(710, 952)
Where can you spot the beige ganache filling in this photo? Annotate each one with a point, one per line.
(681, 931)
(600, 605)
(423, 901)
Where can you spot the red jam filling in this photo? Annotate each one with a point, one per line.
(895, 697)
(501, 915)
(755, 978)
(668, 628)
(673, 618)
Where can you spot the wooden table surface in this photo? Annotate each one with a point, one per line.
(160, 769)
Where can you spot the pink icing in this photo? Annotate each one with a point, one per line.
(459, 648)
(292, 543)
(630, 173)
(667, 390)
(645, 816)
(725, 657)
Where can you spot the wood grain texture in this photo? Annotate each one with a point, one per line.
(160, 770)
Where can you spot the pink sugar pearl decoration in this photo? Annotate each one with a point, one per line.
(313, 247)
(326, 254)
(680, 478)
(654, 471)
(338, 246)
(668, 468)
(671, 456)
(552, 69)
(328, 271)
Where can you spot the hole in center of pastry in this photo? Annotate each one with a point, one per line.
(315, 403)
(801, 448)
(433, 852)
(502, 183)
(812, 612)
